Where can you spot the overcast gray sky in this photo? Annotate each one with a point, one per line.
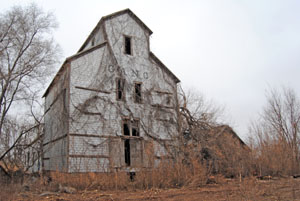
(230, 50)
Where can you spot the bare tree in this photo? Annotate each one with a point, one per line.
(198, 114)
(28, 55)
(277, 133)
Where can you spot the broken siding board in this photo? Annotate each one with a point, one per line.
(163, 92)
(89, 89)
(88, 156)
(94, 135)
(162, 106)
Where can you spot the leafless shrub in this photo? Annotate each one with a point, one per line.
(276, 143)
(215, 144)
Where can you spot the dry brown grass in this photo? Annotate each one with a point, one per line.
(229, 190)
(167, 175)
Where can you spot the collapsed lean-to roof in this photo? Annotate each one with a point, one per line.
(100, 23)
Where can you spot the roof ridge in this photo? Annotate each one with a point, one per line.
(112, 15)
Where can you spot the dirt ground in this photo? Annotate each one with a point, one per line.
(248, 189)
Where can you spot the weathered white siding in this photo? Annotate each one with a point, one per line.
(56, 124)
(95, 130)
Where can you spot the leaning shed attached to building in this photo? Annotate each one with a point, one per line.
(113, 105)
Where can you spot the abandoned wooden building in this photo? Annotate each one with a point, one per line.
(112, 104)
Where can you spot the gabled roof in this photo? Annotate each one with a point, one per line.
(225, 129)
(165, 68)
(79, 54)
(107, 17)
(102, 20)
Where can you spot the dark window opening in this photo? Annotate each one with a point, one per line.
(135, 128)
(130, 127)
(127, 45)
(132, 176)
(28, 158)
(120, 89)
(127, 151)
(168, 100)
(126, 130)
(138, 92)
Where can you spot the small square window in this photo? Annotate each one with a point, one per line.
(128, 45)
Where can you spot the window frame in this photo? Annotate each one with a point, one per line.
(135, 94)
(131, 45)
(122, 81)
(131, 126)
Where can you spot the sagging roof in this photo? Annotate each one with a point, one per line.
(107, 17)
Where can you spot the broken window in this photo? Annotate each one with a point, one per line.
(131, 127)
(120, 89)
(127, 45)
(127, 152)
(138, 92)
(126, 130)
(135, 128)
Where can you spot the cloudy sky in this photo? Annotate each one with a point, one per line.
(230, 50)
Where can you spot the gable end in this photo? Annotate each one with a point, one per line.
(107, 17)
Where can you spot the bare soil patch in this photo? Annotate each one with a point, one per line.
(248, 189)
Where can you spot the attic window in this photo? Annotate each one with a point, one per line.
(120, 89)
(127, 45)
(138, 92)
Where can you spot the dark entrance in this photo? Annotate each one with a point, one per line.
(127, 151)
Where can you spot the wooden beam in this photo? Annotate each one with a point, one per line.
(90, 89)
(88, 156)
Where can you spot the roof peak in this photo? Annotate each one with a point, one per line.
(110, 16)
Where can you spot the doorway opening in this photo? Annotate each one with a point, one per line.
(127, 151)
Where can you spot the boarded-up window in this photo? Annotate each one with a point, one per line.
(138, 92)
(148, 154)
(136, 153)
(116, 152)
(120, 89)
